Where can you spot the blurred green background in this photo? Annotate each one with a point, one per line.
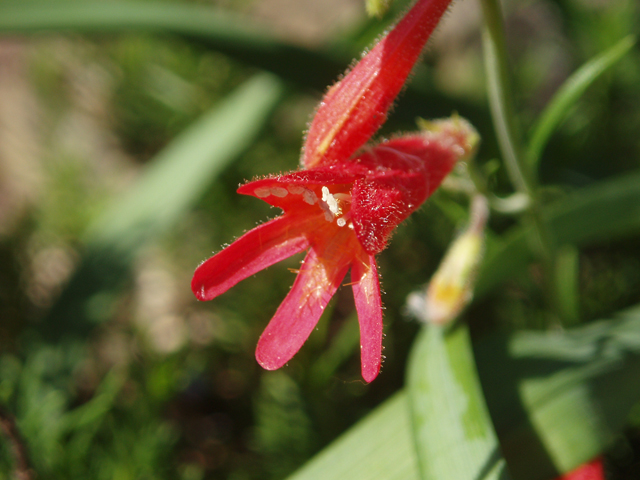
(110, 366)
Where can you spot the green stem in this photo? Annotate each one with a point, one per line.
(500, 98)
(510, 142)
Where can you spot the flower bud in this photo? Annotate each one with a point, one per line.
(451, 287)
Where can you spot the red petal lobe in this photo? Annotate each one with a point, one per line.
(257, 249)
(366, 293)
(354, 108)
(320, 275)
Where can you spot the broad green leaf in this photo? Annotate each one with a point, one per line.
(556, 401)
(569, 93)
(168, 187)
(607, 210)
(379, 447)
(452, 429)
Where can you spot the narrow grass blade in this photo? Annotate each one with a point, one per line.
(568, 281)
(234, 35)
(179, 174)
(452, 429)
(569, 93)
(214, 28)
(169, 186)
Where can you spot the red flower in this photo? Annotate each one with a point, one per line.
(343, 207)
(593, 470)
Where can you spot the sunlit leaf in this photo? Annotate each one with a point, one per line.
(453, 432)
(556, 400)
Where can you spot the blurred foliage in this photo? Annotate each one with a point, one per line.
(158, 386)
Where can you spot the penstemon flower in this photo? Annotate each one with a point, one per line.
(345, 202)
(594, 470)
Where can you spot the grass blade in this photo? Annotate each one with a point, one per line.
(217, 29)
(569, 93)
(168, 187)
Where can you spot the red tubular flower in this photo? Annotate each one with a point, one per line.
(593, 470)
(342, 207)
(354, 108)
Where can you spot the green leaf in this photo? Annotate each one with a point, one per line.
(180, 173)
(607, 210)
(569, 93)
(378, 447)
(213, 28)
(567, 274)
(556, 401)
(453, 432)
(228, 33)
(168, 187)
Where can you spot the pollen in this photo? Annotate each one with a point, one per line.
(330, 200)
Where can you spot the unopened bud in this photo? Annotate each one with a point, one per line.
(451, 287)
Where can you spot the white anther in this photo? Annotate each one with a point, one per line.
(295, 189)
(330, 200)
(341, 222)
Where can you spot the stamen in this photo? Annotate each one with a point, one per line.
(330, 200)
(341, 222)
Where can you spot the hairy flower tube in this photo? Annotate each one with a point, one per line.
(451, 287)
(345, 202)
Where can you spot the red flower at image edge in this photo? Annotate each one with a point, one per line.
(344, 204)
(593, 470)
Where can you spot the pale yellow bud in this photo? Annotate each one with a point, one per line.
(451, 287)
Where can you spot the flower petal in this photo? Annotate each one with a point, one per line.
(366, 293)
(320, 275)
(299, 190)
(594, 470)
(256, 250)
(355, 107)
(403, 173)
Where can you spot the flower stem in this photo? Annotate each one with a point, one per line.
(500, 98)
(510, 141)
